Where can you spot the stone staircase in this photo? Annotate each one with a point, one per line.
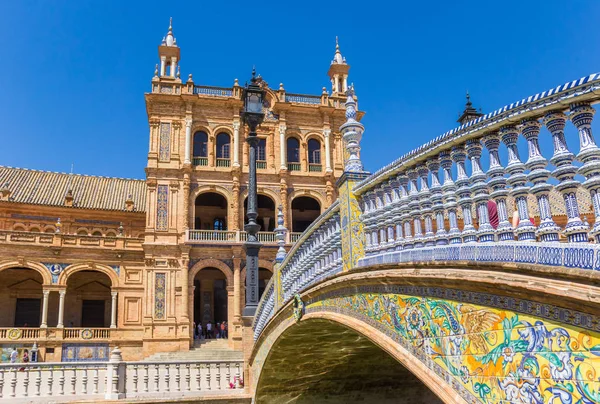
(212, 349)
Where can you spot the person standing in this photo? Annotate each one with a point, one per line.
(208, 330)
(218, 330)
(199, 330)
(223, 328)
(14, 355)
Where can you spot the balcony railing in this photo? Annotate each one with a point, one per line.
(86, 333)
(69, 240)
(261, 165)
(200, 161)
(314, 168)
(214, 91)
(294, 166)
(231, 236)
(295, 236)
(36, 334)
(303, 99)
(223, 162)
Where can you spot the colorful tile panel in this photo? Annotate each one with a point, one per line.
(353, 237)
(162, 207)
(164, 149)
(160, 287)
(487, 354)
(85, 352)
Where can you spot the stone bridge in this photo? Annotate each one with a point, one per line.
(412, 287)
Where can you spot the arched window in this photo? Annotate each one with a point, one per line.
(293, 150)
(314, 151)
(223, 146)
(200, 157)
(210, 212)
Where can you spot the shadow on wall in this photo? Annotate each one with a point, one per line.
(320, 361)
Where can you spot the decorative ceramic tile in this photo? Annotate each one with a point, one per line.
(162, 207)
(164, 150)
(353, 238)
(85, 352)
(55, 269)
(160, 283)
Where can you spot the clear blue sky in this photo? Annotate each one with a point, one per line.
(74, 73)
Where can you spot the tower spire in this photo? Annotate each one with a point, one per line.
(338, 72)
(168, 52)
(469, 113)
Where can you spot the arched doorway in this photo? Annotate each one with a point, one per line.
(266, 212)
(88, 300)
(210, 212)
(338, 365)
(210, 297)
(20, 297)
(305, 209)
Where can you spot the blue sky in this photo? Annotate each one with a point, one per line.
(74, 73)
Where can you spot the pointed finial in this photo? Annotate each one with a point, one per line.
(253, 79)
(337, 58)
(178, 71)
(468, 98)
(156, 70)
(337, 44)
(170, 24)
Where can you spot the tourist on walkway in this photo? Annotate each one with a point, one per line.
(218, 330)
(199, 330)
(209, 330)
(25, 356)
(14, 355)
(223, 330)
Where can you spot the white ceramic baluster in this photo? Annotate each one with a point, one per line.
(73, 379)
(187, 377)
(96, 380)
(135, 378)
(38, 382)
(238, 383)
(2, 372)
(415, 210)
(13, 382)
(479, 192)
(441, 236)
(228, 375)
(26, 383)
(198, 377)
(426, 205)
(449, 198)
(218, 368)
(178, 377)
(61, 382)
(156, 378)
(464, 193)
(84, 381)
(167, 377)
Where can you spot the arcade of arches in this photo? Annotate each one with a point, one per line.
(338, 365)
(87, 300)
(211, 212)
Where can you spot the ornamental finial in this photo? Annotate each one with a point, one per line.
(338, 58)
(352, 132)
(169, 40)
(280, 233)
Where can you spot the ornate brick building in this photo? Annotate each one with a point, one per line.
(87, 262)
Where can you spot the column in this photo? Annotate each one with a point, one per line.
(441, 237)
(515, 168)
(562, 159)
(327, 133)
(464, 194)
(282, 147)
(113, 310)
(539, 175)
(589, 155)
(188, 141)
(163, 63)
(415, 209)
(61, 308)
(425, 204)
(449, 198)
(237, 295)
(173, 66)
(405, 211)
(236, 143)
(45, 309)
(185, 290)
(479, 192)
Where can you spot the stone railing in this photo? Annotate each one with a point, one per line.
(116, 379)
(303, 99)
(233, 236)
(411, 208)
(53, 334)
(70, 240)
(214, 91)
(316, 254)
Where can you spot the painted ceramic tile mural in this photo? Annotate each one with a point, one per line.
(491, 355)
(352, 227)
(162, 207)
(164, 152)
(85, 352)
(160, 284)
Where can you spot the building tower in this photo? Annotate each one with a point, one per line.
(469, 113)
(168, 52)
(338, 72)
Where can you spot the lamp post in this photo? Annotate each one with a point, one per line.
(253, 115)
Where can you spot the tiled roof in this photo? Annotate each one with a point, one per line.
(89, 192)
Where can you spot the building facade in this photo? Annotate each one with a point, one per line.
(88, 263)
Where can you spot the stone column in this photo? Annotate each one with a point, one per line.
(185, 290)
(327, 133)
(525, 230)
(480, 191)
(497, 183)
(113, 310)
(61, 308)
(45, 309)
(236, 143)
(173, 66)
(464, 193)
(562, 159)
(188, 141)
(282, 147)
(589, 155)
(163, 64)
(237, 292)
(539, 175)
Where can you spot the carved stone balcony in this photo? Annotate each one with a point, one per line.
(69, 240)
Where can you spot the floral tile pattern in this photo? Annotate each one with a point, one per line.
(162, 207)
(160, 283)
(164, 151)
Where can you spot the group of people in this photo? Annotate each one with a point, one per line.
(210, 330)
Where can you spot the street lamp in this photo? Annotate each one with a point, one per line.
(253, 116)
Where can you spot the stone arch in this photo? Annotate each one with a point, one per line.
(410, 362)
(36, 266)
(49, 229)
(211, 263)
(224, 192)
(223, 129)
(19, 226)
(308, 192)
(81, 230)
(96, 230)
(71, 269)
